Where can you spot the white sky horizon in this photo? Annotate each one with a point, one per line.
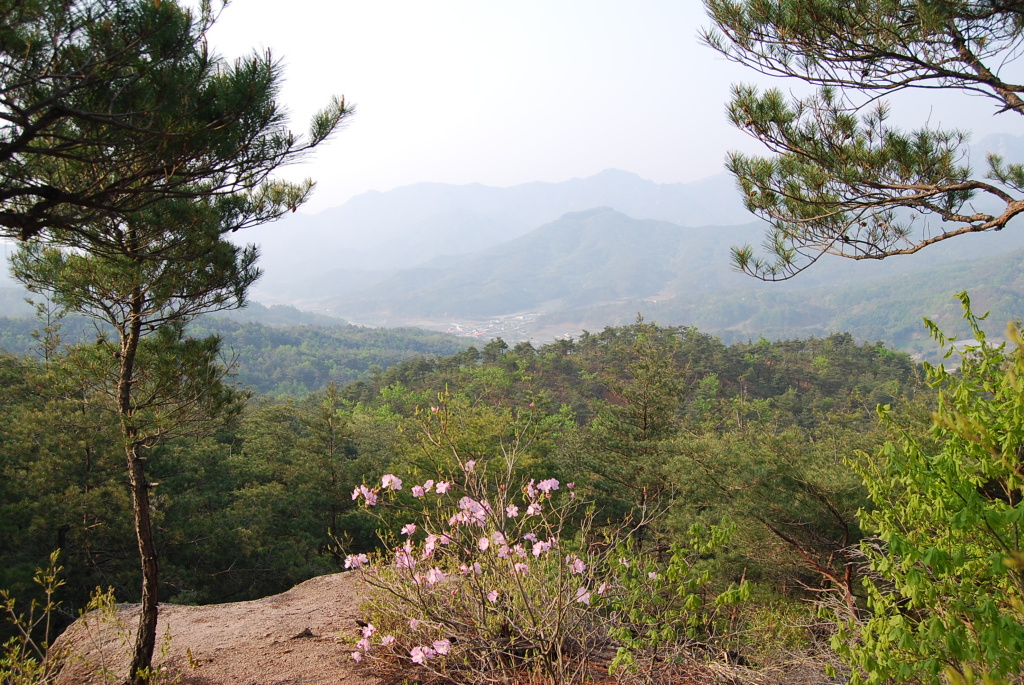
(482, 91)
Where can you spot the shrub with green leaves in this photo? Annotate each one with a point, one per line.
(493, 575)
(663, 608)
(23, 658)
(496, 577)
(946, 570)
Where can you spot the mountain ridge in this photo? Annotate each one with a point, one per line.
(401, 228)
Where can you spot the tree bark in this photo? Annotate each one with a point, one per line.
(145, 636)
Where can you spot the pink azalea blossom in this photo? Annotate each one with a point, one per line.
(369, 495)
(428, 486)
(520, 568)
(442, 487)
(575, 564)
(530, 490)
(409, 529)
(403, 558)
(356, 560)
(652, 575)
(433, 409)
(357, 657)
(391, 482)
(477, 568)
(434, 576)
(468, 466)
(533, 509)
(603, 588)
(418, 491)
(414, 624)
(474, 511)
(504, 552)
(540, 547)
(363, 644)
(582, 596)
(459, 519)
(442, 647)
(512, 511)
(483, 544)
(492, 596)
(531, 537)
(387, 640)
(546, 486)
(368, 630)
(498, 537)
(420, 655)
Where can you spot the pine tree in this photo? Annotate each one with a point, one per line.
(110, 106)
(127, 155)
(844, 181)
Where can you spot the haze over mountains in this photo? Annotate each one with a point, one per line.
(546, 259)
(540, 260)
(382, 232)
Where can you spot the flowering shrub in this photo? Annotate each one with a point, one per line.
(485, 578)
(496, 577)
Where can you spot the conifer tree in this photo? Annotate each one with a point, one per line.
(127, 154)
(109, 106)
(843, 180)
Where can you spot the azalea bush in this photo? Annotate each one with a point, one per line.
(485, 577)
(495, 589)
(499, 576)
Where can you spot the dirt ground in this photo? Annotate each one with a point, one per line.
(286, 639)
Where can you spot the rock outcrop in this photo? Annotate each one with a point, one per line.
(286, 639)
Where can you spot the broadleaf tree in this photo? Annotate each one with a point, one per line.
(843, 180)
(946, 567)
(189, 162)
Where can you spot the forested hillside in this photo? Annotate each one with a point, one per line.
(290, 359)
(888, 307)
(641, 418)
(768, 487)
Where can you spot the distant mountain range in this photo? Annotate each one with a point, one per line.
(582, 259)
(601, 267)
(545, 259)
(372, 235)
(879, 304)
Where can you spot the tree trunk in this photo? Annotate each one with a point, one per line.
(145, 636)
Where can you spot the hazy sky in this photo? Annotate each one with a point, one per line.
(502, 93)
